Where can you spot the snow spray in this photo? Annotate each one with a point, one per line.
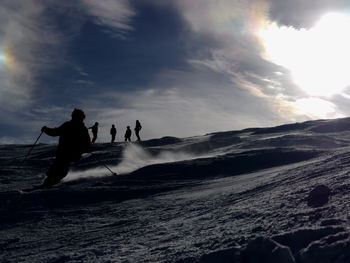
(134, 157)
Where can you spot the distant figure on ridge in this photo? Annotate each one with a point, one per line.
(94, 130)
(128, 134)
(113, 132)
(137, 129)
(74, 140)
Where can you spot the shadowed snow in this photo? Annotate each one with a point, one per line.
(197, 199)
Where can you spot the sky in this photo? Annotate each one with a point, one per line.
(181, 67)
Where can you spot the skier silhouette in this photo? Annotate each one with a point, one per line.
(113, 132)
(94, 130)
(74, 140)
(128, 134)
(137, 129)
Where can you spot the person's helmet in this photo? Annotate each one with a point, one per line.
(78, 115)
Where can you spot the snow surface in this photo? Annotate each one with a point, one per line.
(236, 196)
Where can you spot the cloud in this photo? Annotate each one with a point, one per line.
(193, 103)
(317, 108)
(181, 67)
(115, 14)
(235, 48)
(238, 52)
(303, 14)
(29, 48)
(35, 39)
(20, 40)
(32, 44)
(34, 36)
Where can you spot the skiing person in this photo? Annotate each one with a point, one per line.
(113, 132)
(74, 140)
(137, 129)
(94, 130)
(128, 134)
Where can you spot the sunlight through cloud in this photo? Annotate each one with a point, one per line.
(316, 108)
(318, 58)
(6, 59)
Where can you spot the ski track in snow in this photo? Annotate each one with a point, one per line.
(175, 199)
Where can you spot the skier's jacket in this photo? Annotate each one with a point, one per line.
(138, 127)
(74, 139)
(113, 131)
(127, 133)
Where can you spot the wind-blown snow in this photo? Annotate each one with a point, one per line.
(236, 196)
(134, 157)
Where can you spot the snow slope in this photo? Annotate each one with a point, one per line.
(237, 196)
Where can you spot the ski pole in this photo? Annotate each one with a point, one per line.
(31, 148)
(109, 169)
(105, 165)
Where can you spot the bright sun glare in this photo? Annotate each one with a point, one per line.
(318, 58)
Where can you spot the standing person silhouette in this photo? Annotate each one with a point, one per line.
(137, 129)
(94, 130)
(128, 134)
(74, 140)
(113, 132)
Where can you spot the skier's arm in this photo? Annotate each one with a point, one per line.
(51, 131)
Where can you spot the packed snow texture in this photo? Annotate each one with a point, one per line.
(236, 196)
